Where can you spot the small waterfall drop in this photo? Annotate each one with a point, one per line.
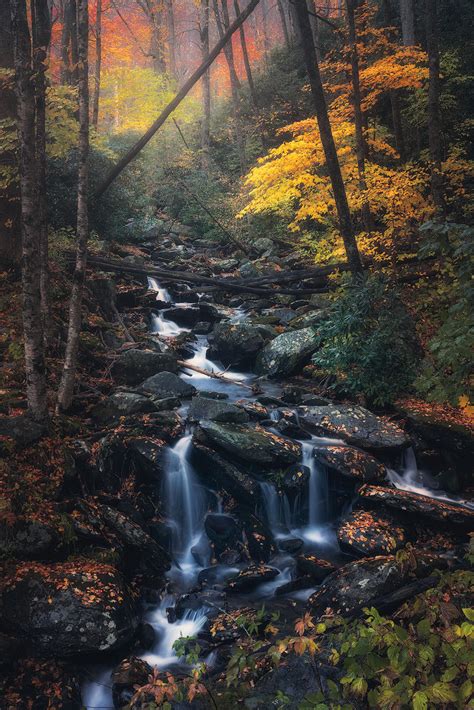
(161, 293)
(186, 507)
(277, 510)
(162, 326)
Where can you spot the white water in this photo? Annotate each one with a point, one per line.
(162, 326)
(161, 293)
(186, 506)
(412, 479)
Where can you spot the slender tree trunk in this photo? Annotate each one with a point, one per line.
(394, 95)
(222, 26)
(10, 229)
(206, 86)
(65, 69)
(295, 31)
(66, 387)
(361, 145)
(407, 16)
(98, 64)
(154, 14)
(171, 38)
(245, 54)
(35, 369)
(327, 140)
(284, 24)
(435, 136)
(314, 27)
(266, 39)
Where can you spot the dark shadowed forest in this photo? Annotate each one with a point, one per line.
(236, 337)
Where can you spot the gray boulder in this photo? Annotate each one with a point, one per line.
(355, 425)
(288, 351)
(121, 404)
(255, 446)
(167, 384)
(263, 245)
(350, 462)
(236, 343)
(133, 366)
(216, 410)
(213, 469)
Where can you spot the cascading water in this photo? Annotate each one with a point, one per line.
(186, 506)
(162, 294)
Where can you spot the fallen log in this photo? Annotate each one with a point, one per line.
(217, 376)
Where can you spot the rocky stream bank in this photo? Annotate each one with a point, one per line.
(193, 500)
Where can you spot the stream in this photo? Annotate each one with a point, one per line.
(187, 501)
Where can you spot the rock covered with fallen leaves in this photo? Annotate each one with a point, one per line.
(64, 609)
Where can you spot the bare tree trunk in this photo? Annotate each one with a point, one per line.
(171, 38)
(327, 140)
(361, 145)
(284, 24)
(65, 69)
(394, 97)
(66, 387)
(407, 16)
(206, 86)
(223, 24)
(435, 136)
(98, 64)
(35, 369)
(245, 54)
(41, 27)
(10, 229)
(295, 32)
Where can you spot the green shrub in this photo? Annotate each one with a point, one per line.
(368, 341)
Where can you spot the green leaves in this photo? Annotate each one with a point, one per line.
(420, 700)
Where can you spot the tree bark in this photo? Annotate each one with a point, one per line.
(69, 56)
(394, 95)
(206, 86)
(314, 27)
(361, 145)
(171, 38)
(66, 387)
(284, 24)
(245, 54)
(35, 369)
(327, 140)
(407, 16)
(98, 64)
(10, 229)
(175, 102)
(435, 136)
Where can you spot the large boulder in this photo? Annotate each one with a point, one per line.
(366, 534)
(27, 540)
(19, 431)
(167, 384)
(218, 472)
(251, 577)
(205, 408)
(68, 608)
(255, 446)
(350, 462)
(419, 505)
(288, 351)
(355, 425)
(236, 343)
(121, 404)
(134, 366)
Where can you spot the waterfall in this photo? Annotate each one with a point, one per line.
(163, 326)
(277, 510)
(161, 293)
(186, 507)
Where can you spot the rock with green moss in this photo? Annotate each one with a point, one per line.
(287, 352)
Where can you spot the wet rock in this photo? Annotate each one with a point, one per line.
(368, 534)
(69, 608)
(146, 456)
(355, 425)
(143, 552)
(311, 319)
(20, 431)
(203, 408)
(186, 316)
(250, 577)
(259, 539)
(314, 567)
(146, 636)
(167, 384)
(27, 540)
(134, 366)
(161, 404)
(417, 504)
(253, 445)
(222, 530)
(249, 270)
(215, 470)
(255, 410)
(130, 673)
(292, 545)
(295, 480)
(236, 343)
(295, 585)
(287, 352)
(364, 582)
(202, 328)
(262, 245)
(282, 316)
(351, 462)
(121, 404)
(209, 600)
